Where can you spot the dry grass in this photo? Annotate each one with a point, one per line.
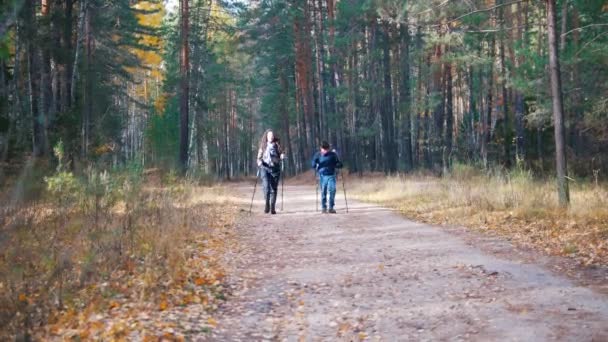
(513, 205)
(90, 245)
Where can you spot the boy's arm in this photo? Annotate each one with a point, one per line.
(339, 164)
(315, 161)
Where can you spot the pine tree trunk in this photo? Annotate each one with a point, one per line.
(64, 62)
(577, 99)
(438, 111)
(184, 85)
(333, 72)
(519, 98)
(88, 91)
(285, 117)
(449, 120)
(38, 147)
(389, 157)
(303, 70)
(558, 108)
(405, 96)
(79, 36)
(507, 136)
(472, 113)
(487, 116)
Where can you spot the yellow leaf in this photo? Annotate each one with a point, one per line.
(163, 305)
(212, 322)
(22, 297)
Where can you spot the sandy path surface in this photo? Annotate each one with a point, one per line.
(373, 275)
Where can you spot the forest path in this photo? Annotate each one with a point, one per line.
(372, 274)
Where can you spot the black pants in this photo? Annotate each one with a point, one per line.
(270, 183)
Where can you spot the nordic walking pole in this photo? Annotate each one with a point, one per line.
(344, 188)
(317, 192)
(257, 175)
(282, 183)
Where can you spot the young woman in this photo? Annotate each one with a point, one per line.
(269, 159)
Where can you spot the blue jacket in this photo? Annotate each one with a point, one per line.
(326, 164)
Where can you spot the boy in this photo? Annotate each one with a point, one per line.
(326, 162)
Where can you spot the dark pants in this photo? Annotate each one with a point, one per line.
(270, 183)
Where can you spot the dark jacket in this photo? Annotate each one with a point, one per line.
(326, 164)
(274, 165)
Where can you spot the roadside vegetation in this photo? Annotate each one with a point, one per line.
(90, 252)
(513, 204)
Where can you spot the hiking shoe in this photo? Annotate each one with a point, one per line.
(332, 211)
(324, 211)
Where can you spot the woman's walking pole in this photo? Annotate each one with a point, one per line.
(257, 175)
(282, 183)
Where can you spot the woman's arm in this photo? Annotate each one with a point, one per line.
(281, 151)
(259, 159)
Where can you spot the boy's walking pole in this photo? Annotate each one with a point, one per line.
(257, 175)
(344, 188)
(317, 192)
(282, 183)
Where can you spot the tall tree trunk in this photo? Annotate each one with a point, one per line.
(577, 99)
(88, 91)
(507, 136)
(405, 96)
(487, 116)
(357, 164)
(419, 100)
(45, 71)
(38, 147)
(558, 107)
(333, 72)
(320, 70)
(184, 71)
(285, 114)
(427, 136)
(519, 97)
(303, 70)
(79, 36)
(438, 111)
(473, 112)
(449, 120)
(64, 61)
(389, 156)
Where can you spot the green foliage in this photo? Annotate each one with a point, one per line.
(63, 185)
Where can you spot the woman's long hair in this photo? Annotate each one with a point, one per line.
(264, 139)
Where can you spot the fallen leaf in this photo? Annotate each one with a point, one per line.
(163, 305)
(212, 322)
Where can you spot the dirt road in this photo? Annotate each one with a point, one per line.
(373, 275)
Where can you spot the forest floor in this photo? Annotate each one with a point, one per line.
(372, 274)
